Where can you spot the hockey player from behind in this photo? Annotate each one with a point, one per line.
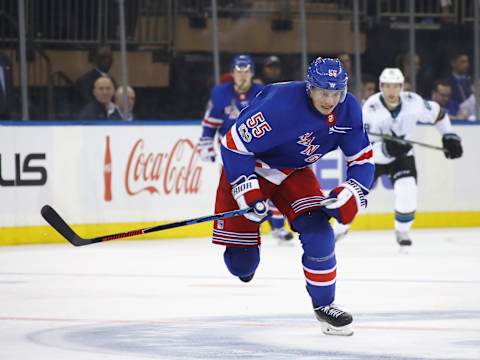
(226, 102)
(395, 112)
(267, 154)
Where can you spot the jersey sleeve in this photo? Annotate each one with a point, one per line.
(213, 117)
(434, 114)
(255, 131)
(429, 112)
(358, 152)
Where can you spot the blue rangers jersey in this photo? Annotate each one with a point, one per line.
(282, 131)
(224, 106)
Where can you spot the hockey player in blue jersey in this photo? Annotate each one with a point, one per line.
(226, 102)
(266, 155)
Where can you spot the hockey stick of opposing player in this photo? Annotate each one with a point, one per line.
(56, 221)
(405, 141)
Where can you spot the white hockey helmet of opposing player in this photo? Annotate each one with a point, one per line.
(391, 76)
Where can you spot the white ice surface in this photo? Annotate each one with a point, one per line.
(174, 299)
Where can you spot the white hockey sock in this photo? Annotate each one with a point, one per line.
(405, 190)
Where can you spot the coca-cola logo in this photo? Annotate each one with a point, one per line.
(172, 172)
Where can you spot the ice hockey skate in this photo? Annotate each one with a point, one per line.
(333, 320)
(282, 235)
(403, 239)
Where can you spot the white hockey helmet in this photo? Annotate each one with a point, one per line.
(391, 76)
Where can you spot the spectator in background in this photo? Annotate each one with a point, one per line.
(346, 61)
(407, 85)
(131, 102)
(84, 85)
(468, 107)
(101, 107)
(6, 88)
(369, 86)
(423, 75)
(272, 70)
(460, 81)
(441, 93)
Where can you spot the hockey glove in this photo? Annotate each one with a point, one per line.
(206, 149)
(392, 148)
(452, 146)
(350, 198)
(246, 192)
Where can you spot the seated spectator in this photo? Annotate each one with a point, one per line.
(101, 107)
(84, 85)
(423, 73)
(119, 97)
(407, 85)
(459, 79)
(272, 70)
(6, 88)
(346, 61)
(468, 107)
(441, 93)
(369, 86)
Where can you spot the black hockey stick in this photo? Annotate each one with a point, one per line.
(56, 221)
(405, 141)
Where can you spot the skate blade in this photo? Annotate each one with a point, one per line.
(328, 329)
(404, 250)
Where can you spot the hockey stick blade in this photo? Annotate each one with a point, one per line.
(56, 221)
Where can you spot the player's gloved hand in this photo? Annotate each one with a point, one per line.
(394, 148)
(246, 192)
(452, 146)
(260, 213)
(206, 149)
(350, 198)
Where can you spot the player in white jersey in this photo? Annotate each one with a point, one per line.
(395, 112)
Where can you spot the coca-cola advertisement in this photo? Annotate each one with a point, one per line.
(154, 171)
(164, 172)
(148, 172)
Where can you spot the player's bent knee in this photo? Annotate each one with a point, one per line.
(241, 261)
(316, 234)
(311, 221)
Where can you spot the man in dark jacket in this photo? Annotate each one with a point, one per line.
(101, 107)
(84, 85)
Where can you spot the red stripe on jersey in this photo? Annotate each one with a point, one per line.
(230, 142)
(365, 156)
(211, 124)
(321, 277)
